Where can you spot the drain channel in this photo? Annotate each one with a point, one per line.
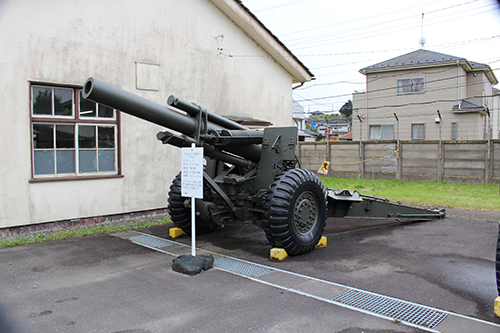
(392, 308)
(151, 242)
(241, 268)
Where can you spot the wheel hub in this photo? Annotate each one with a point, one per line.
(305, 213)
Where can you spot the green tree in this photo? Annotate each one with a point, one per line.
(346, 110)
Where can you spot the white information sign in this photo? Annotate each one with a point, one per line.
(192, 184)
(192, 172)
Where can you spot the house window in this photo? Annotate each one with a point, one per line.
(411, 86)
(71, 136)
(381, 132)
(454, 131)
(417, 131)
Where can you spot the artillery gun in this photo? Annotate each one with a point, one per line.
(250, 176)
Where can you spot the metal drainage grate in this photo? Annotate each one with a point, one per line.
(149, 241)
(240, 267)
(400, 310)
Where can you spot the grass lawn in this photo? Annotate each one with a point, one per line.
(468, 196)
(106, 229)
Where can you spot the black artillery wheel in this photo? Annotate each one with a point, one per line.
(295, 211)
(180, 214)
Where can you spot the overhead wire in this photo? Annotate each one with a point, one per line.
(391, 88)
(346, 33)
(335, 39)
(360, 19)
(357, 28)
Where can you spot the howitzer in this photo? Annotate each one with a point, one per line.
(250, 175)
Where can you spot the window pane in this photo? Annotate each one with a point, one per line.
(44, 162)
(65, 161)
(42, 101)
(387, 132)
(106, 160)
(65, 136)
(417, 131)
(63, 102)
(414, 85)
(87, 161)
(86, 137)
(454, 128)
(106, 137)
(43, 136)
(105, 112)
(87, 108)
(375, 132)
(417, 85)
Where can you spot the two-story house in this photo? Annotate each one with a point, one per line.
(425, 95)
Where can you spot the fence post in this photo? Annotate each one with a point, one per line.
(440, 162)
(488, 165)
(399, 161)
(361, 159)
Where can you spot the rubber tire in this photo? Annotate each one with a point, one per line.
(282, 201)
(180, 214)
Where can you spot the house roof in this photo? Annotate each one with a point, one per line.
(426, 58)
(468, 106)
(347, 136)
(255, 29)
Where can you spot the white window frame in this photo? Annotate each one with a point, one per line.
(382, 132)
(418, 131)
(411, 86)
(102, 146)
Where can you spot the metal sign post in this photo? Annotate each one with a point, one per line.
(192, 184)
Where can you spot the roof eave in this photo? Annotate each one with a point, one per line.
(489, 73)
(249, 23)
(462, 62)
(407, 67)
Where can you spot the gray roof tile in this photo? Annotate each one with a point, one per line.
(418, 57)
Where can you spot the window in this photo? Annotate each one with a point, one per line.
(454, 130)
(417, 131)
(381, 132)
(411, 86)
(71, 136)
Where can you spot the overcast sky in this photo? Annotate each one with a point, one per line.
(335, 39)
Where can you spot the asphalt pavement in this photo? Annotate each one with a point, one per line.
(109, 283)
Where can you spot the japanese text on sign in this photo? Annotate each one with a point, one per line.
(192, 172)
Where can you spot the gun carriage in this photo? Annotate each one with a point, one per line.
(250, 176)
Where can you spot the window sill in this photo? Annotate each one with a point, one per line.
(411, 93)
(73, 178)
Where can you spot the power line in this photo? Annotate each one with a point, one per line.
(230, 55)
(335, 39)
(359, 19)
(395, 87)
(357, 28)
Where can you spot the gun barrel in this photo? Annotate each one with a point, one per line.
(124, 101)
(194, 109)
(116, 98)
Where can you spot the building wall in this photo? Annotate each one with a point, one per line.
(494, 106)
(175, 44)
(445, 87)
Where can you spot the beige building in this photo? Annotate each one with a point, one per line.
(64, 158)
(425, 95)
